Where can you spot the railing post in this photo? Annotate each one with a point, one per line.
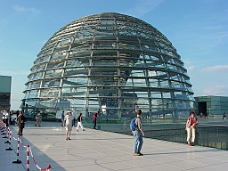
(18, 149)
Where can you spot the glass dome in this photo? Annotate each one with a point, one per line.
(111, 63)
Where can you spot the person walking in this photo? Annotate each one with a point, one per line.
(138, 135)
(20, 123)
(224, 115)
(38, 119)
(95, 120)
(79, 124)
(191, 123)
(62, 118)
(68, 122)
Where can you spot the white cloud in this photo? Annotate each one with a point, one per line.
(23, 9)
(190, 68)
(217, 68)
(142, 7)
(219, 90)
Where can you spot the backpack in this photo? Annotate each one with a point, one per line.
(133, 126)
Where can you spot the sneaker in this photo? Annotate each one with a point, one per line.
(66, 138)
(136, 154)
(83, 130)
(69, 139)
(141, 154)
(77, 130)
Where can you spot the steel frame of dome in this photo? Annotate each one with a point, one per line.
(109, 62)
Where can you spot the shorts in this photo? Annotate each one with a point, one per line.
(69, 127)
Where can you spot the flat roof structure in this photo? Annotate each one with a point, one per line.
(5, 92)
(211, 105)
(101, 151)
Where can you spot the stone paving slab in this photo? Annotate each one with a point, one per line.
(99, 150)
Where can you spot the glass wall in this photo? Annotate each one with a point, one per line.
(111, 63)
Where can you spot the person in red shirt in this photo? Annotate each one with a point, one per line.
(95, 120)
(191, 123)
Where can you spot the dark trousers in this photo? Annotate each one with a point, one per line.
(21, 127)
(20, 132)
(6, 121)
(94, 124)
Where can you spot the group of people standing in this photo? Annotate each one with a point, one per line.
(20, 120)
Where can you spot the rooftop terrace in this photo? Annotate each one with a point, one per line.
(99, 150)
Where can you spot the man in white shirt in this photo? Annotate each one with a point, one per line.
(5, 116)
(38, 119)
(69, 122)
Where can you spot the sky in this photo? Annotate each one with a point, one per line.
(198, 29)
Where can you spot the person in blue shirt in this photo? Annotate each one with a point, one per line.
(138, 135)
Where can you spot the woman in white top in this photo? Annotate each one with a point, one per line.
(80, 122)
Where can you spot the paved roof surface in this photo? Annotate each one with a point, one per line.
(98, 150)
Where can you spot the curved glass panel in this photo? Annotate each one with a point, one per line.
(112, 63)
